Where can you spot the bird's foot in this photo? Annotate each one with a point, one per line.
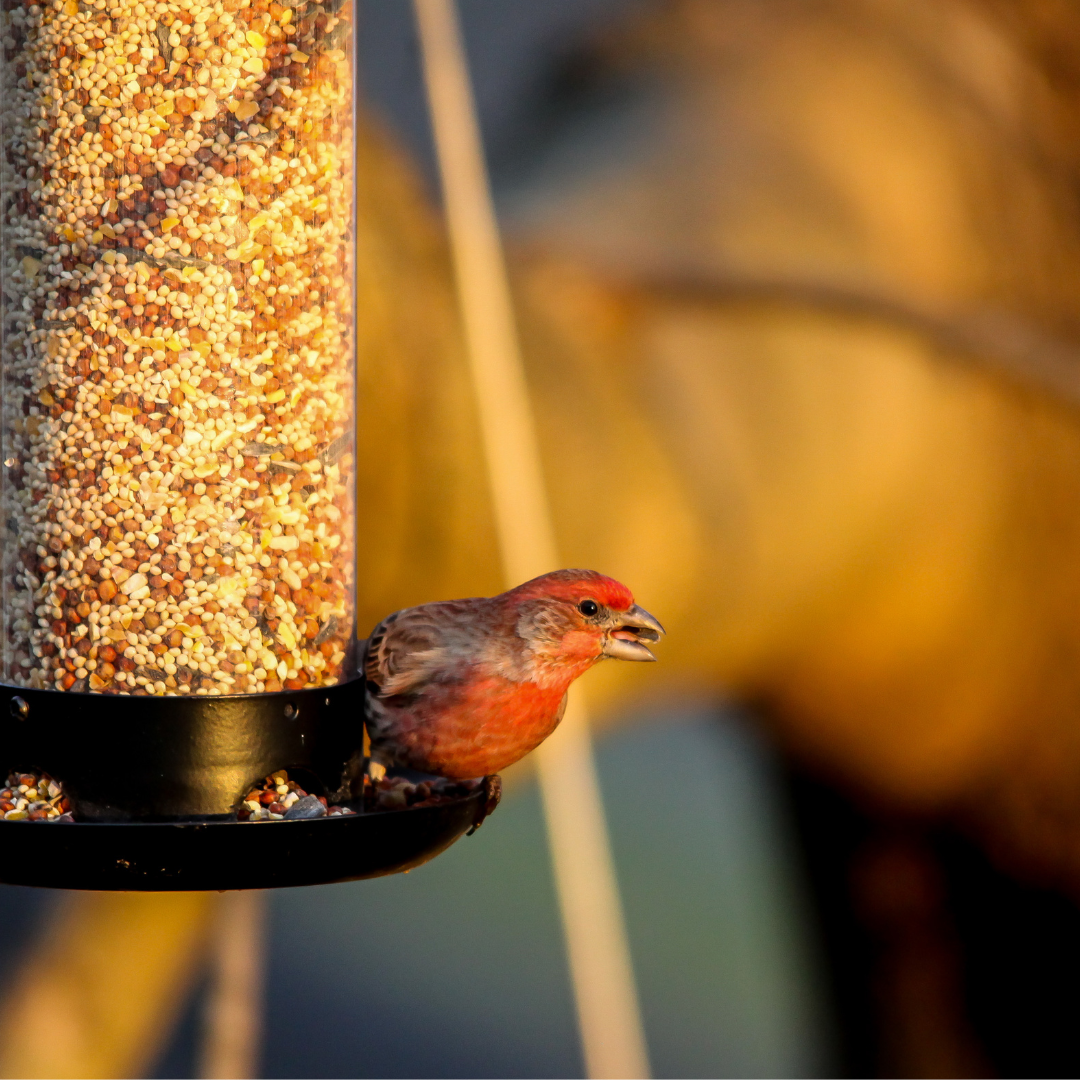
(492, 794)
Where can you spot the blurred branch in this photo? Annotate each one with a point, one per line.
(1004, 342)
(101, 990)
(233, 1019)
(612, 1036)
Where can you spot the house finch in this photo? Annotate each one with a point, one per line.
(464, 688)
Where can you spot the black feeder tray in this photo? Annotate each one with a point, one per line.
(154, 783)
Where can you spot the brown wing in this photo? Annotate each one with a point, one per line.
(417, 644)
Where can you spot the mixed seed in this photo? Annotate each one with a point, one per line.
(176, 351)
(278, 798)
(38, 797)
(33, 797)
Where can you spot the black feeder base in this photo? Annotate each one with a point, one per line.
(185, 856)
(155, 782)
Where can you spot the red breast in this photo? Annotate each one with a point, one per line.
(475, 728)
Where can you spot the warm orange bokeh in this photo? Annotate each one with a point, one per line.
(806, 378)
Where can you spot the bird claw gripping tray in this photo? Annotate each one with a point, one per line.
(176, 351)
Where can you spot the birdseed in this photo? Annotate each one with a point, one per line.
(176, 356)
(277, 795)
(33, 797)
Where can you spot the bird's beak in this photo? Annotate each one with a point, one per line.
(626, 640)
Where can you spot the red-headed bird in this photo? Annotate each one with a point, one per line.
(464, 688)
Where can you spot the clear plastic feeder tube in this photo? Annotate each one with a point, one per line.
(177, 345)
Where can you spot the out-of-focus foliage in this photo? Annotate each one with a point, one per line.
(104, 986)
(828, 253)
(799, 310)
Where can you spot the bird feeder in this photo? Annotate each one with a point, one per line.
(177, 489)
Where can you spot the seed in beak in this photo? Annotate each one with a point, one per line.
(636, 633)
(623, 644)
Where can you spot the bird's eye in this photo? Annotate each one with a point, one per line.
(588, 607)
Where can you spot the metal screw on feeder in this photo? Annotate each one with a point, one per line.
(19, 708)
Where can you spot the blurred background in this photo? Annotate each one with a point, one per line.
(797, 282)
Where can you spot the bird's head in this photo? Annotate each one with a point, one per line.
(573, 618)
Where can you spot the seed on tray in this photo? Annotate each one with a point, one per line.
(309, 806)
(33, 797)
(278, 798)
